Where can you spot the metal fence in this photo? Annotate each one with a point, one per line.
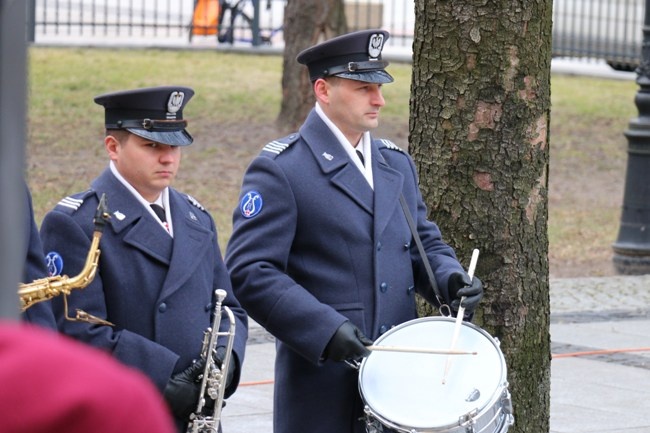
(181, 22)
(603, 29)
(600, 29)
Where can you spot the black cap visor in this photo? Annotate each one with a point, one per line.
(171, 138)
(376, 77)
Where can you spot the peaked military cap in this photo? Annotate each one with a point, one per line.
(153, 113)
(355, 56)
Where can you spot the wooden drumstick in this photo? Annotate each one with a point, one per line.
(419, 350)
(461, 313)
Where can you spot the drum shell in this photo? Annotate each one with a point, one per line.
(405, 391)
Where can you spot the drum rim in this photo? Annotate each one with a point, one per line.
(496, 396)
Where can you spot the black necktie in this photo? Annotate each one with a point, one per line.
(360, 155)
(159, 211)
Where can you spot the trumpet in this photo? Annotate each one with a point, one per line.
(213, 383)
(44, 289)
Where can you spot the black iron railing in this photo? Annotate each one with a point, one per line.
(598, 29)
(255, 22)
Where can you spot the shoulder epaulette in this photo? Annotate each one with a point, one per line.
(276, 147)
(390, 145)
(75, 201)
(195, 202)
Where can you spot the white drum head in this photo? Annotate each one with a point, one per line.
(406, 388)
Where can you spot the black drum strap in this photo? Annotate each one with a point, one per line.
(425, 261)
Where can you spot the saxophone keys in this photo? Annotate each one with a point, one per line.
(82, 316)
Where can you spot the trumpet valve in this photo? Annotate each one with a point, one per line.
(213, 383)
(213, 393)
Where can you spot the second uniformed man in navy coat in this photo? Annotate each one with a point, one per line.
(158, 269)
(321, 254)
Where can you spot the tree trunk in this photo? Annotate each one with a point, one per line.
(306, 23)
(480, 112)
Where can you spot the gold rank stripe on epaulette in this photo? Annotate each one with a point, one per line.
(390, 145)
(70, 202)
(195, 202)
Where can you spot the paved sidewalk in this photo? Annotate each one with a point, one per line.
(608, 392)
(598, 393)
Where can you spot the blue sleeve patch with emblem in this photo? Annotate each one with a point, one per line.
(251, 204)
(54, 263)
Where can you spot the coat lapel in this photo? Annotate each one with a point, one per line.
(335, 163)
(388, 186)
(191, 243)
(129, 216)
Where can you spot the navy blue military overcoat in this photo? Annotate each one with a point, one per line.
(314, 246)
(35, 268)
(158, 291)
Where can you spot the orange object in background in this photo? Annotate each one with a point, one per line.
(205, 20)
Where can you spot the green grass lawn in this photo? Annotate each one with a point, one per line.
(232, 117)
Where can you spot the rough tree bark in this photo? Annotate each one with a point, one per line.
(480, 111)
(306, 23)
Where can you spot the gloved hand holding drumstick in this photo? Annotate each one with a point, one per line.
(348, 343)
(465, 293)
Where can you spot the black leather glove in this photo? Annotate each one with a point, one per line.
(460, 285)
(182, 391)
(347, 343)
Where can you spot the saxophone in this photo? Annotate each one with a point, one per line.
(213, 384)
(47, 288)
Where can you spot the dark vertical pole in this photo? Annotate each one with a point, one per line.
(31, 21)
(12, 136)
(632, 248)
(257, 39)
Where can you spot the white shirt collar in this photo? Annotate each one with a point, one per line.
(163, 199)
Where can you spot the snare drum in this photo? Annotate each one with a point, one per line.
(405, 391)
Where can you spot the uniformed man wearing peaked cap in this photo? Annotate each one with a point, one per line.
(154, 113)
(355, 56)
(321, 253)
(160, 262)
